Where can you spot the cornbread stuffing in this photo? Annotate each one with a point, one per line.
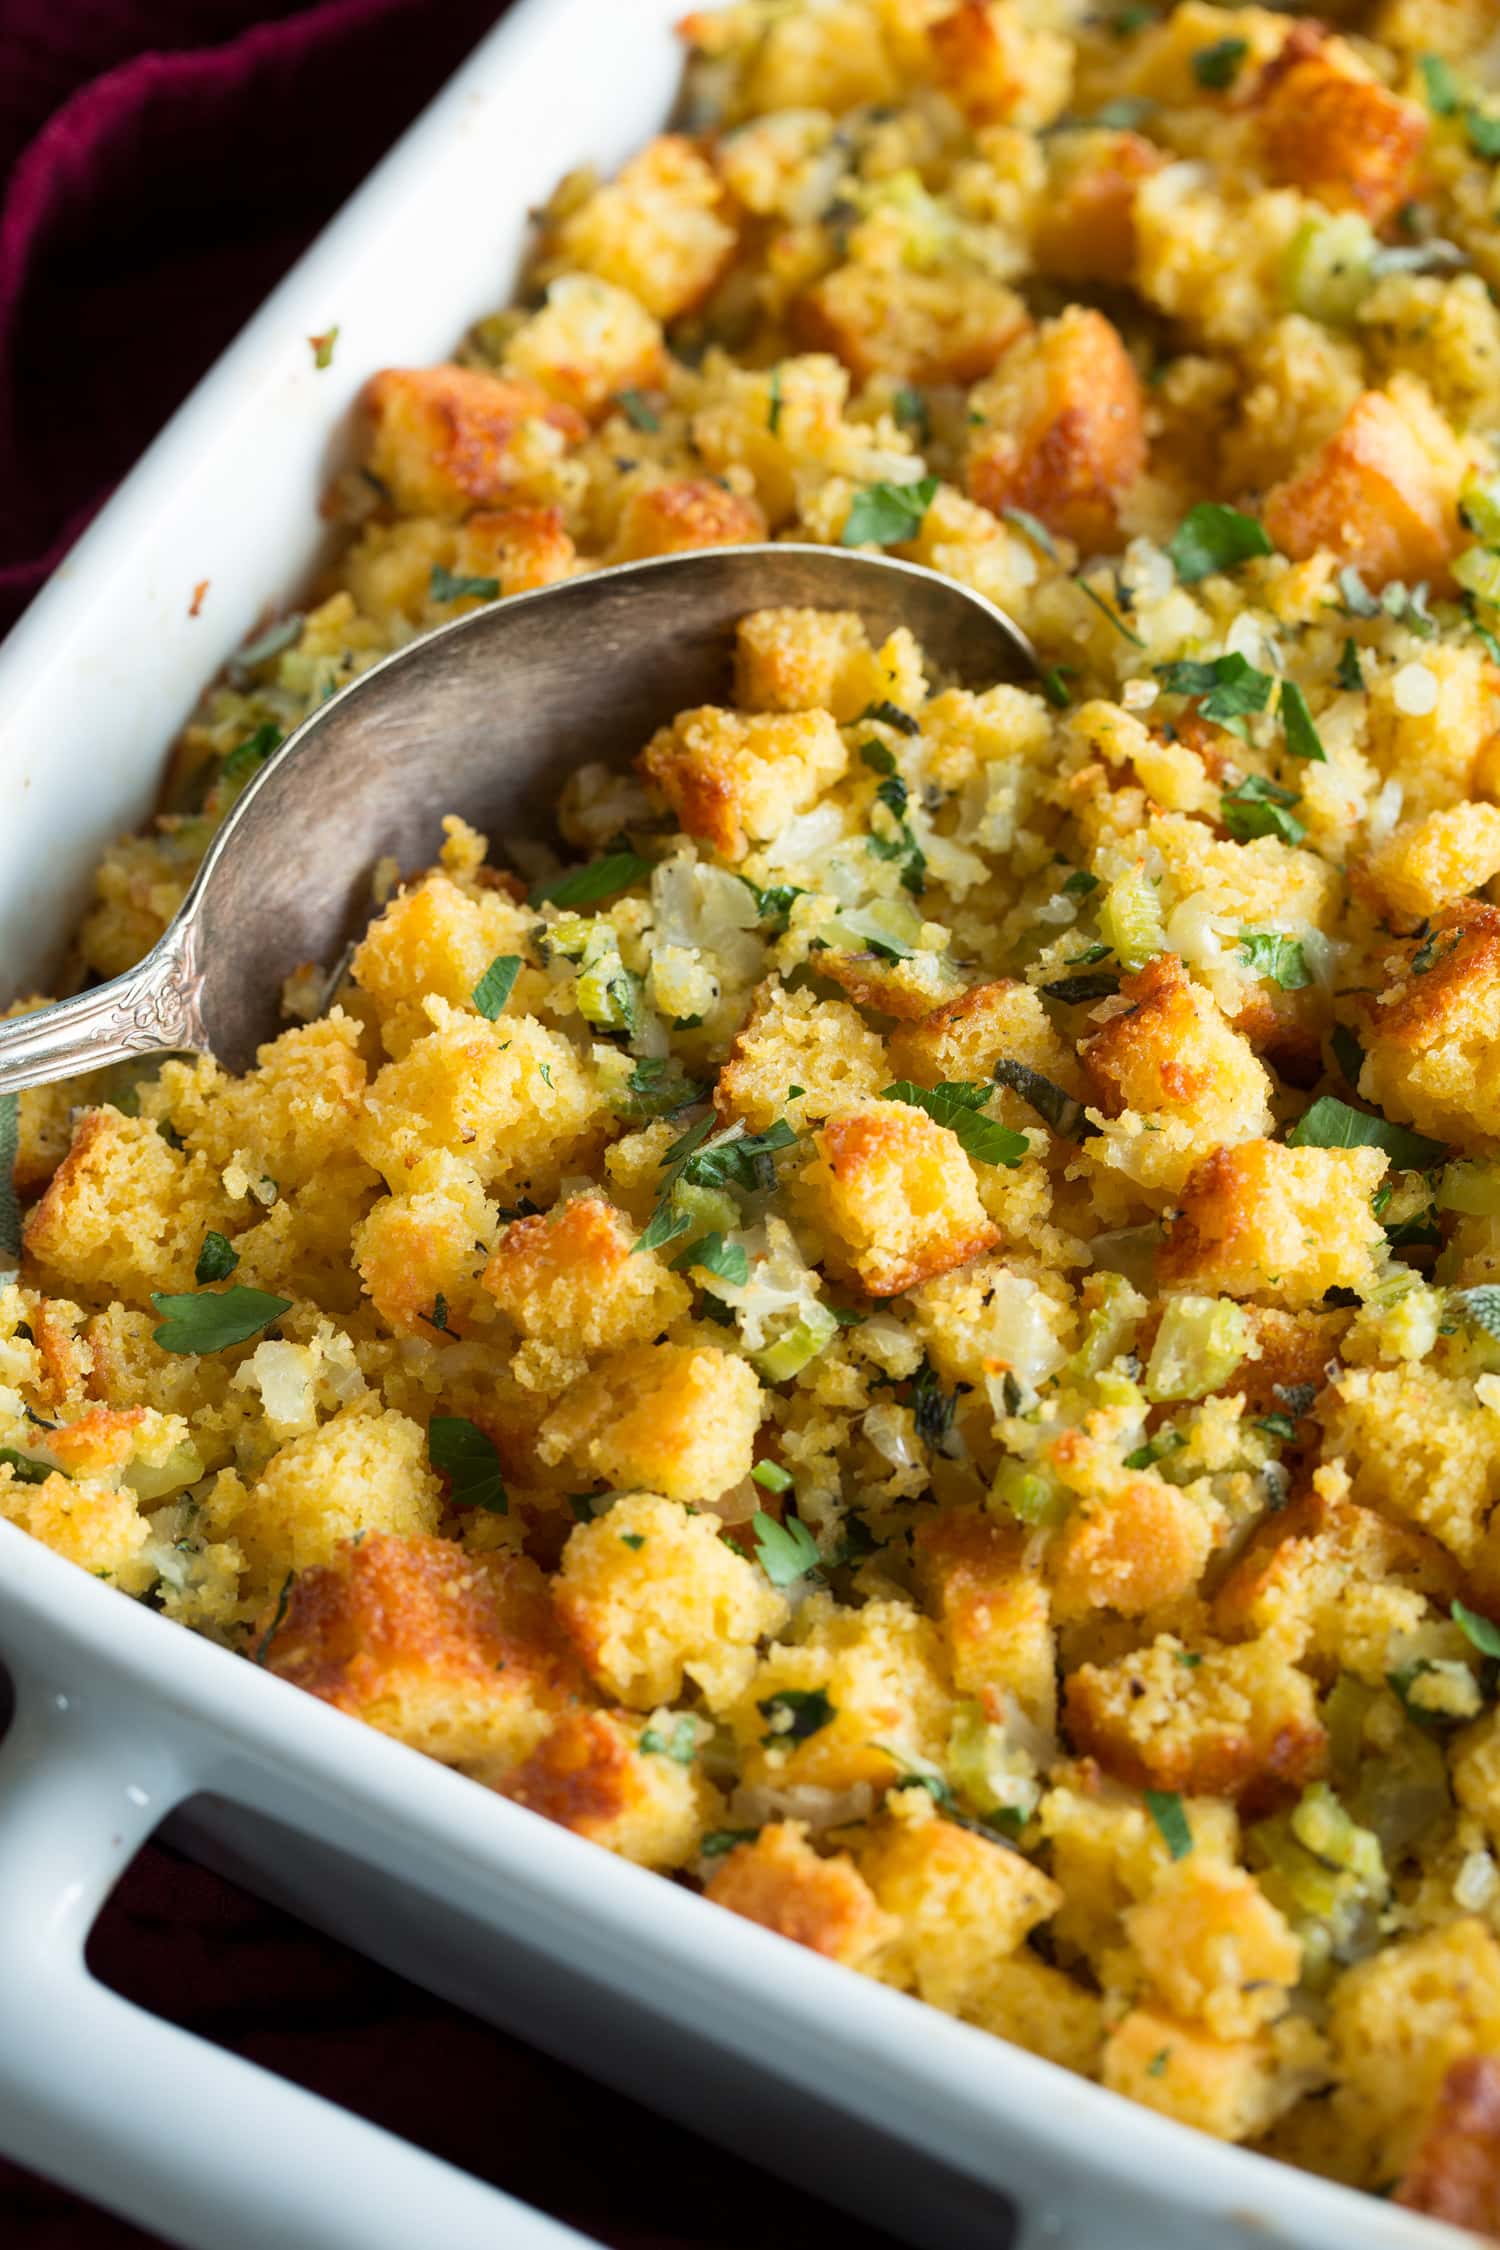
(904, 1322)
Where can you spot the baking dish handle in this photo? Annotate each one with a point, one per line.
(193, 2143)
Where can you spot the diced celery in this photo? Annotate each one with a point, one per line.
(1471, 1187)
(1112, 1322)
(1479, 571)
(988, 1770)
(1479, 506)
(1131, 1252)
(811, 1334)
(1130, 920)
(1029, 1492)
(608, 995)
(1328, 268)
(927, 228)
(1199, 1344)
(150, 1480)
(886, 921)
(570, 936)
(1323, 1827)
(712, 1210)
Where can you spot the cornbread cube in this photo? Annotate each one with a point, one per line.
(1475, 1770)
(907, 989)
(1381, 494)
(679, 1419)
(1433, 863)
(649, 1592)
(966, 1037)
(575, 1272)
(682, 514)
(125, 1212)
(878, 1672)
(813, 660)
(1243, 1722)
(792, 1038)
(1292, 1222)
(1335, 133)
(1062, 429)
(992, 1605)
(511, 1098)
(999, 66)
(1400, 2021)
(1085, 224)
(843, 56)
(426, 1243)
(912, 326)
(523, 547)
(733, 780)
(287, 1120)
(363, 1470)
(894, 1195)
(1133, 1543)
(1431, 1048)
(1336, 1583)
(657, 231)
(591, 1775)
(1214, 1949)
(958, 1901)
(435, 938)
(1108, 1854)
(824, 1904)
(88, 1520)
(589, 341)
(457, 1655)
(443, 440)
(1036, 2007)
(1226, 2087)
(1454, 2173)
(59, 1360)
(1421, 1447)
(1170, 1060)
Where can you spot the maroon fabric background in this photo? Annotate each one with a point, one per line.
(164, 161)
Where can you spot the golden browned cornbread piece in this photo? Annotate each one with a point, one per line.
(1400, 2021)
(289, 1119)
(657, 230)
(360, 1471)
(733, 780)
(958, 1899)
(1263, 1219)
(1454, 2173)
(587, 343)
(591, 1775)
(125, 1213)
(811, 660)
(1433, 1042)
(1225, 2087)
(792, 1038)
(1085, 228)
(966, 1037)
(993, 1607)
(908, 989)
(1422, 1447)
(427, 1243)
(998, 64)
(1242, 1722)
(779, 1881)
(1335, 133)
(93, 1523)
(443, 440)
(880, 1671)
(913, 327)
(682, 514)
(650, 1592)
(678, 1419)
(1214, 1949)
(575, 1272)
(1063, 429)
(1433, 863)
(455, 1654)
(1132, 1543)
(1382, 494)
(523, 547)
(434, 938)
(894, 1195)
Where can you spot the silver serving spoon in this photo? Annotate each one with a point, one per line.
(485, 717)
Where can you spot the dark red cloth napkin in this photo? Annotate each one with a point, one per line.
(164, 161)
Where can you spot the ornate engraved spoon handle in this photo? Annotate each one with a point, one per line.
(153, 1009)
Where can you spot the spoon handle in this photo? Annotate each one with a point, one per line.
(152, 1009)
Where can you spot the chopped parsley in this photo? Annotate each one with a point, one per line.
(1330, 1123)
(1113, 615)
(1034, 529)
(215, 1318)
(910, 410)
(1213, 537)
(785, 1551)
(1302, 737)
(876, 756)
(1230, 685)
(1282, 1427)
(635, 1540)
(1269, 954)
(957, 1104)
(1094, 984)
(1218, 66)
(217, 1259)
(601, 878)
(730, 1261)
(438, 1317)
(774, 903)
(889, 715)
(1258, 807)
(1350, 674)
(24, 1469)
(932, 1408)
(718, 1841)
(1480, 1631)
(1055, 1107)
(278, 1618)
(1355, 598)
(1438, 85)
(1347, 1053)
(746, 1161)
(1165, 1808)
(638, 410)
(795, 1713)
(247, 757)
(884, 514)
(495, 986)
(444, 586)
(1484, 134)
(468, 1457)
(1054, 685)
(657, 1087)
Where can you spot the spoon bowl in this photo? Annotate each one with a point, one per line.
(485, 717)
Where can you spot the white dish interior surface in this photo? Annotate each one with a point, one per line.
(688, 2007)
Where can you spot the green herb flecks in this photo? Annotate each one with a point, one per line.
(1165, 1808)
(1302, 737)
(468, 1457)
(1480, 1631)
(746, 1161)
(885, 514)
(217, 1259)
(496, 985)
(215, 1319)
(1270, 954)
(774, 405)
(1213, 537)
(1231, 687)
(638, 411)
(794, 1714)
(601, 878)
(1218, 66)
(1126, 632)
(1056, 1108)
(730, 1261)
(25, 1469)
(446, 586)
(1330, 1123)
(1350, 674)
(1258, 807)
(957, 1104)
(1480, 1307)
(659, 1087)
(278, 1617)
(910, 410)
(785, 1551)
(1073, 992)
(1032, 528)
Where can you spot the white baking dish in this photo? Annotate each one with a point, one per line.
(931, 2128)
